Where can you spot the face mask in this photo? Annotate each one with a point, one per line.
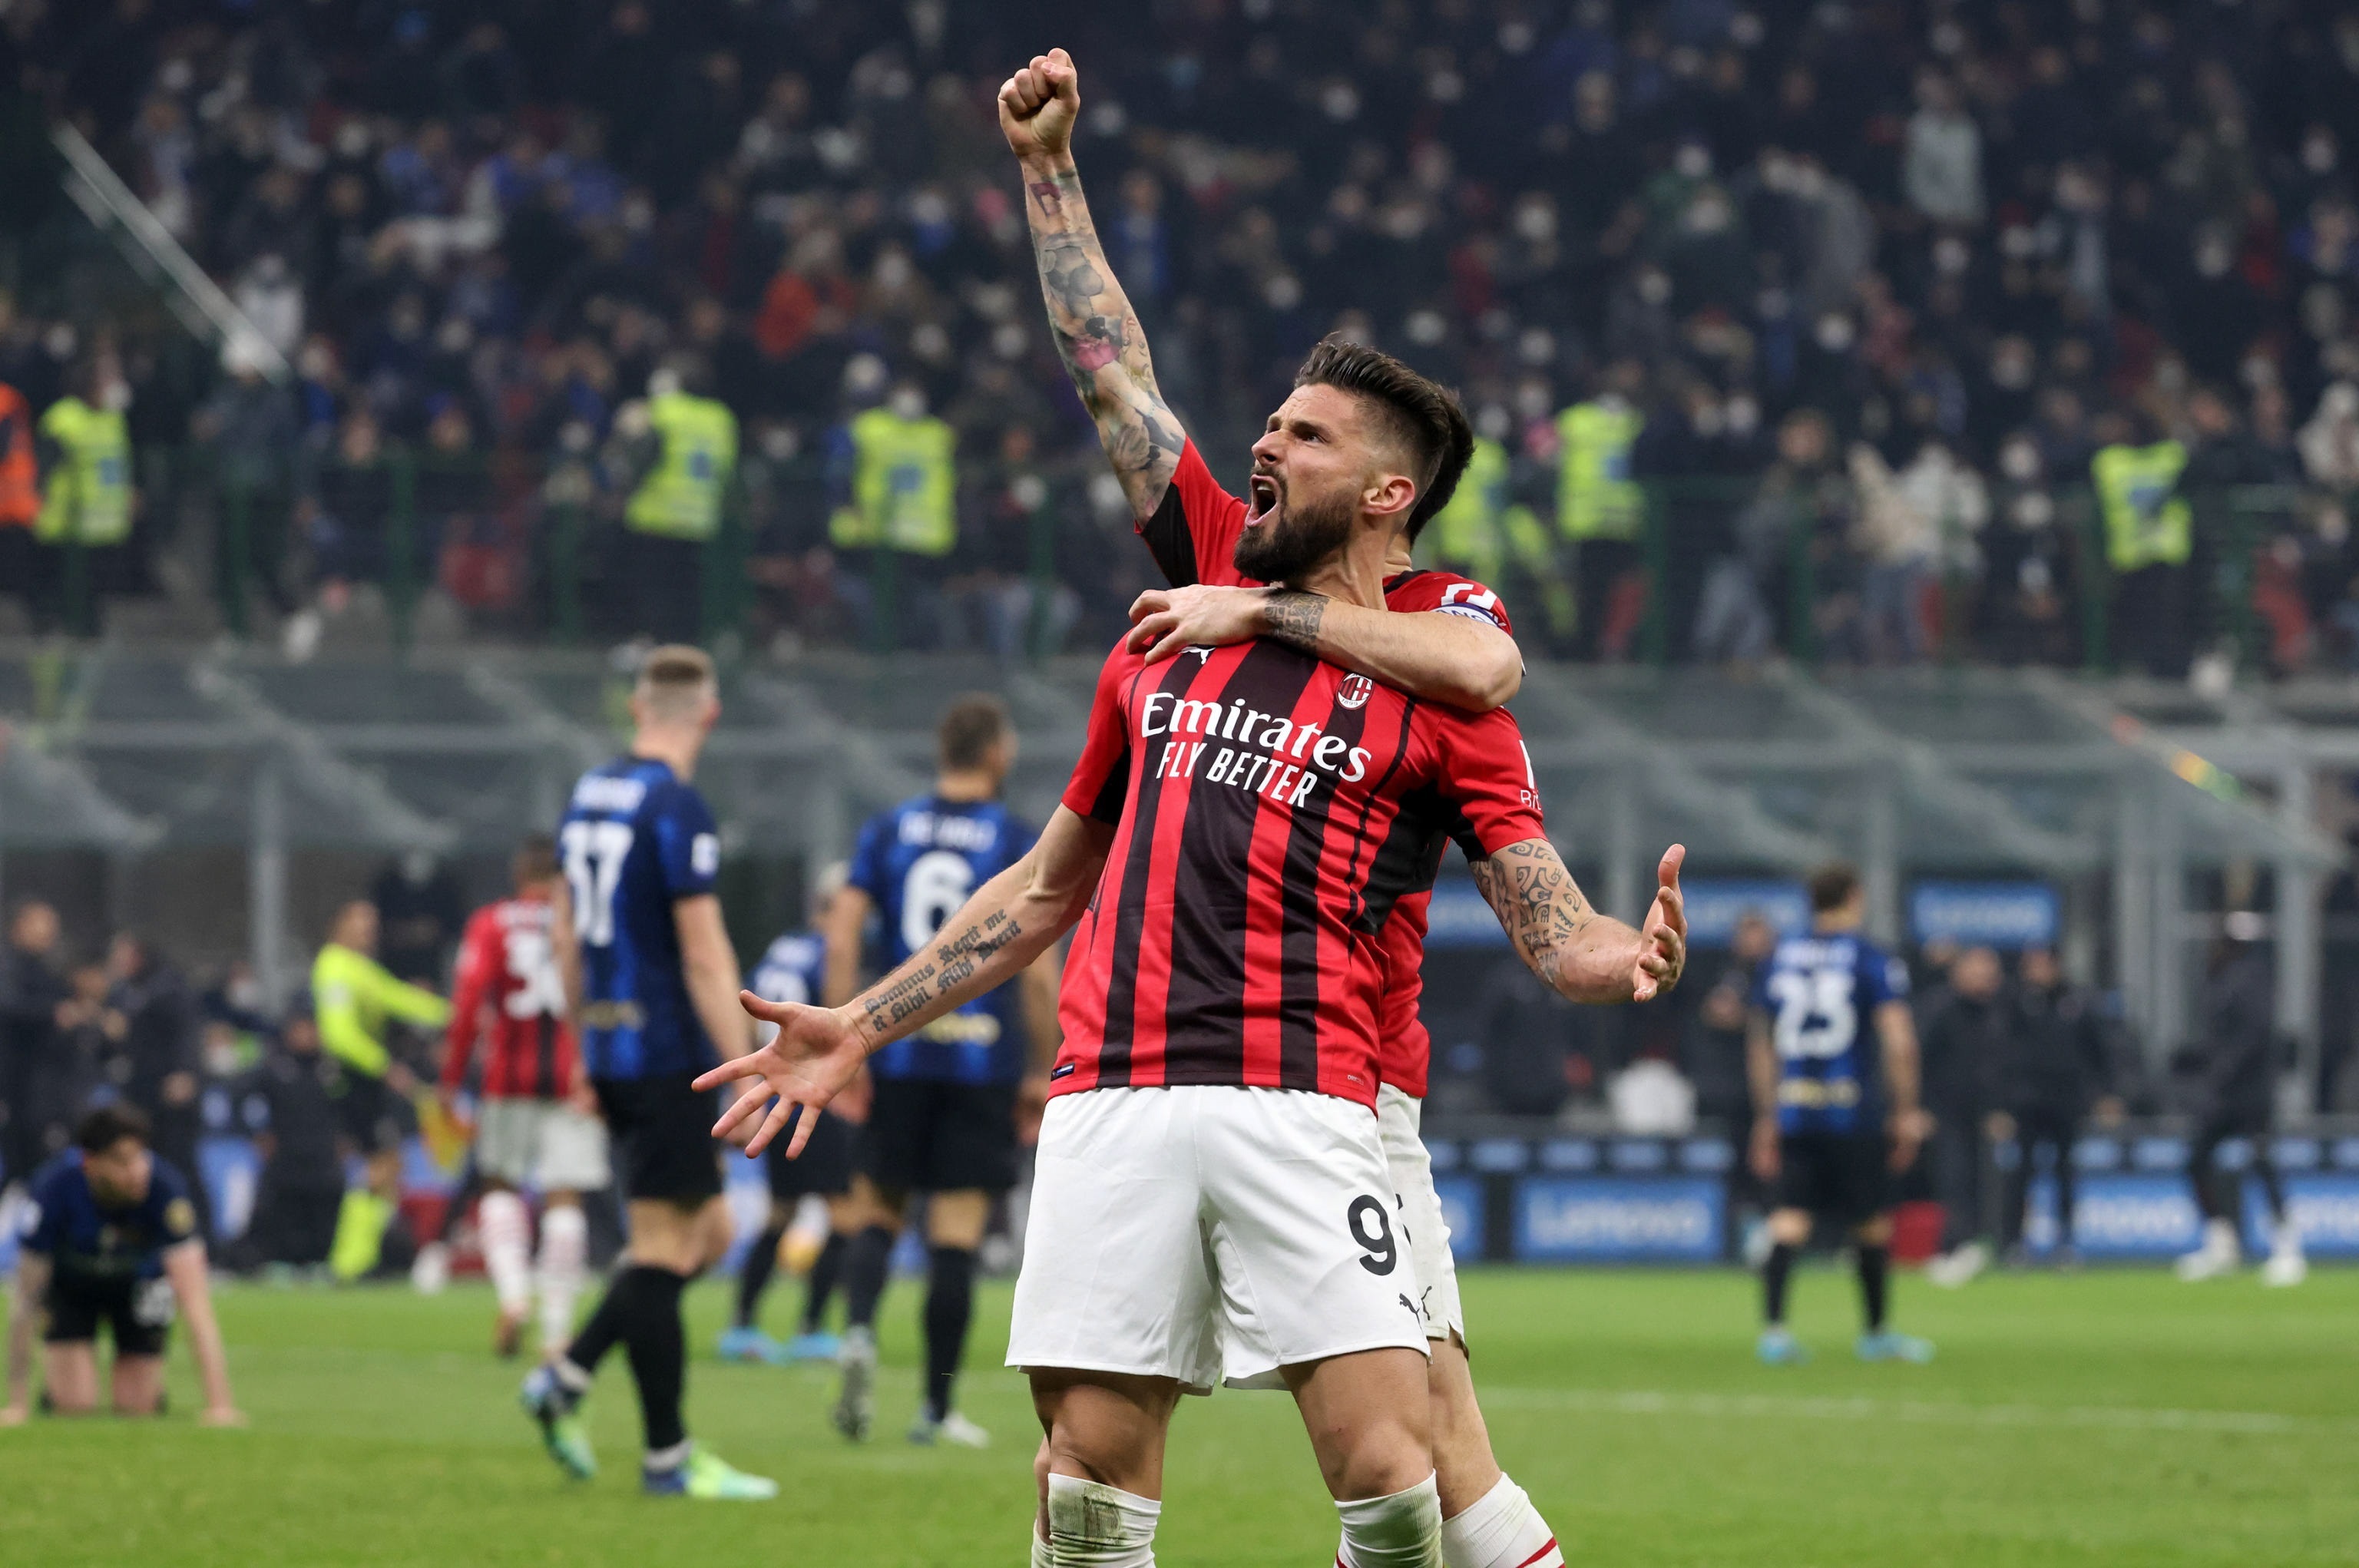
(909, 403)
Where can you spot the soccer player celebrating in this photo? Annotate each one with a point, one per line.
(1240, 824)
(650, 978)
(113, 1239)
(1832, 1056)
(1461, 653)
(536, 1123)
(943, 1122)
(794, 969)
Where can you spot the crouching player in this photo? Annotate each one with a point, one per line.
(112, 1239)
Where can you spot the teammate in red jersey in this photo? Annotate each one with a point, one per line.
(533, 1124)
(1245, 818)
(1462, 652)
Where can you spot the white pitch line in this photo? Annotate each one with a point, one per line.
(2119, 1417)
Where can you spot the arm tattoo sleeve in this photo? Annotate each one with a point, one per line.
(1098, 338)
(1536, 899)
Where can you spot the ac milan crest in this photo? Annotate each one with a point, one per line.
(1355, 691)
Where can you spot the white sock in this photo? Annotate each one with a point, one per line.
(1500, 1529)
(1042, 1556)
(564, 1254)
(505, 1226)
(1096, 1525)
(1403, 1530)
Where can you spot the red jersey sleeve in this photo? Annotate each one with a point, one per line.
(1101, 781)
(1447, 593)
(1482, 780)
(480, 959)
(1193, 531)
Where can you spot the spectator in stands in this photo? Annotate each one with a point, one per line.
(20, 490)
(421, 911)
(1966, 1047)
(2149, 531)
(2058, 1071)
(87, 502)
(1712, 1056)
(682, 450)
(895, 471)
(249, 431)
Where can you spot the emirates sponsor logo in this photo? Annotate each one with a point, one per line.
(1355, 691)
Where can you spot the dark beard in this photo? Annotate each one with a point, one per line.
(1298, 540)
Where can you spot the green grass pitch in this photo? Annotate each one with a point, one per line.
(2107, 1418)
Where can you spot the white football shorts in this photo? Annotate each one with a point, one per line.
(545, 1143)
(1417, 1213)
(1209, 1234)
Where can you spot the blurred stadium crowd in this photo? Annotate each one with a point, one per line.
(1878, 281)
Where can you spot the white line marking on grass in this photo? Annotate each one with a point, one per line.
(2118, 1417)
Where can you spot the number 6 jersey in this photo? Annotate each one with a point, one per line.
(635, 841)
(1820, 992)
(918, 863)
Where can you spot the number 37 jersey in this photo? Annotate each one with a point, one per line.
(635, 841)
(918, 863)
(1821, 992)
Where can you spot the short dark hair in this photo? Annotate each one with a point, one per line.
(1419, 413)
(536, 859)
(969, 729)
(110, 1124)
(1832, 886)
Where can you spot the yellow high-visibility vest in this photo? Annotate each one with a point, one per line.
(2148, 522)
(904, 486)
(89, 495)
(1595, 496)
(681, 497)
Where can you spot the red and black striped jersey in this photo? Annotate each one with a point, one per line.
(510, 993)
(1269, 810)
(1193, 537)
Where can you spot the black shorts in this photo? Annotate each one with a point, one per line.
(375, 1117)
(663, 1136)
(926, 1135)
(1839, 1175)
(824, 1167)
(136, 1312)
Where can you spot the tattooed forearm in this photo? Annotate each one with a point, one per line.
(930, 977)
(1586, 956)
(1098, 336)
(1292, 617)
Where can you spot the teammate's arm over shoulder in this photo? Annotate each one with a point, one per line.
(1096, 331)
(1585, 955)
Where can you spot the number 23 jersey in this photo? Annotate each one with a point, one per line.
(1820, 992)
(636, 841)
(918, 863)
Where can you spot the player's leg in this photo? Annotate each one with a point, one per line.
(954, 1226)
(1100, 1470)
(1863, 1178)
(507, 1136)
(1369, 1414)
(744, 1340)
(1794, 1195)
(571, 1160)
(868, 1263)
(138, 1385)
(367, 1210)
(1487, 1521)
(70, 1377)
(825, 1277)
(1115, 1178)
(2219, 1251)
(2285, 1265)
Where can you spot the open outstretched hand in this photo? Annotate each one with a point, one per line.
(1663, 940)
(815, 1057)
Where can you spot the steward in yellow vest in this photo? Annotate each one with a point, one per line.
(1595, 496)
(1483, 530)
(903, 483)
(88, 499)
(2148, 522)
(681, 495)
